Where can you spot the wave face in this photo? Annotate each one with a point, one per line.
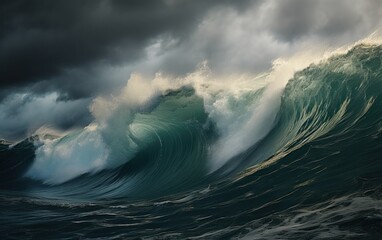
(263, 161)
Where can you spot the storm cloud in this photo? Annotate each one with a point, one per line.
(68, 52)
(43, 39)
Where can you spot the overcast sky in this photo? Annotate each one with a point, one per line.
(56, 56)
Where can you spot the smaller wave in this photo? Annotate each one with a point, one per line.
(59, 160)
(15, 160)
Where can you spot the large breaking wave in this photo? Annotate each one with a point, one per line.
(259, 145)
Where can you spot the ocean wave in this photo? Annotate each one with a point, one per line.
(287, 154)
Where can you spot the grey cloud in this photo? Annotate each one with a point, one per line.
(249, 40)
(292, 20)
(55, 46)
(22, 114)
(289, 20)
(41, 39)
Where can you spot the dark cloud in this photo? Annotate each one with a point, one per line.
(42, 39)
(58, 46)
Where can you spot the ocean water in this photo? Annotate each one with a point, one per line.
(298, 158)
